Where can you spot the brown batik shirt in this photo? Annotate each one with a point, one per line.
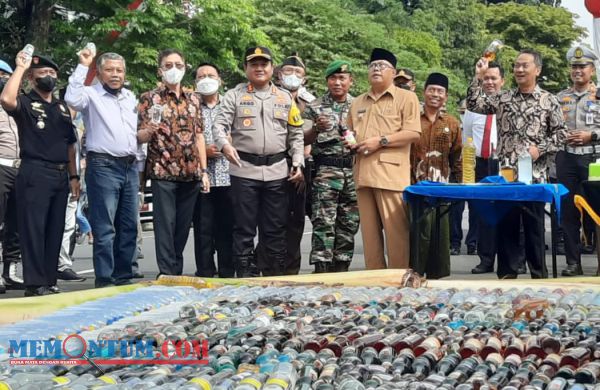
(173, 153)
(437, 154)
(523, 120)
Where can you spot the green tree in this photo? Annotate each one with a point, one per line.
(543, 28)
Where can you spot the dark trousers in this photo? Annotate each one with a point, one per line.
(456, 233)
(486, 239)
(294, 233)
(262, 204)
(11, 251)
(173, 207)
(213, 229)
(571, 170)
(531, 214)
(42, 194)
(112, 190)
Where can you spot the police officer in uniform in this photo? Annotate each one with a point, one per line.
(265, 127)
(47, 140)
(581, 110)
(9, 167)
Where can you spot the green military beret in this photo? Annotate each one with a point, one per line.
(338, 66)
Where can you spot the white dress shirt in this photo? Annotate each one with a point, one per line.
(110, 121)
(474, 125)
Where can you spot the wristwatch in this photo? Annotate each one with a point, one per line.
(594, 136)
(75, 177)
(383, 141)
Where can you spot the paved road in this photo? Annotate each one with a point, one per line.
(461, 265)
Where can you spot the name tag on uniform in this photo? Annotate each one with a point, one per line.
(589, 118)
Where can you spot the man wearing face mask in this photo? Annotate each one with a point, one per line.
(170, 121)
(9, 162)
(113, 157)
(265, 126)
(48, 167)
(213, 217)
(291, 75)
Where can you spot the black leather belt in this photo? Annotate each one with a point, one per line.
(339, 162)
(127, 159)
(46, 164)
(256, 159)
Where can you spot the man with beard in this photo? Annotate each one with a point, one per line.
(436, 157)
(48, 168)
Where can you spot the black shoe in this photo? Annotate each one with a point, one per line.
(522, 270)
(70, 275)
(11, 284)
(508, 276)
(340, 266)
(480, 269)
(2, 286)
(54, 289)
(37, 291)
(123, 282)
(455, 251)
(471, 250)
(587, 249)
(103, 284)
(138, 275)
(321, 267)
(572, 270)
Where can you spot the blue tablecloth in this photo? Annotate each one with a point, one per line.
(491, 197)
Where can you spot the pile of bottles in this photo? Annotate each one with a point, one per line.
(284, 338)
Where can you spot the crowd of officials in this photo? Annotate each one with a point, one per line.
(266, 154)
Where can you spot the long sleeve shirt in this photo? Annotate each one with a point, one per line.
(110, 121)
(437, 154)
(523, 120)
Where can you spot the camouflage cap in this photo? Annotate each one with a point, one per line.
(338, 66)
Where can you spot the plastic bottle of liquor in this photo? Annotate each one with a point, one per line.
(575, 357)
(253, 382)
(403, 362)
(423, 365)
(283, 378)
(468, 160)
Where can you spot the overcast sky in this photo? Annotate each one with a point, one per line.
(585, 18)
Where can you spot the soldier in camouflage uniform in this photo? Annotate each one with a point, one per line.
(334, 207)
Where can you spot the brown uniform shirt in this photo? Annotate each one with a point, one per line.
(437, 155)
(396, 110)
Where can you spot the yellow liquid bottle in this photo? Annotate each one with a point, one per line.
(468, 162)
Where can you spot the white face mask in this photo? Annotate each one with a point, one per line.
(291, 82)
(207, 86)
(173, 76)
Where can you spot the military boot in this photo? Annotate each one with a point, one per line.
(242, 266)
(322, 267)
(340, 266)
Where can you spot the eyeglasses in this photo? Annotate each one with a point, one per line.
(379, 66)
(170, 65)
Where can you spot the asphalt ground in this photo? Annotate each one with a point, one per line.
(460, 265)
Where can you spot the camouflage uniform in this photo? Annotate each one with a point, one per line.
(334, 208)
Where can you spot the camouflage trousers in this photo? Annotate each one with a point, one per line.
(335, 217)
